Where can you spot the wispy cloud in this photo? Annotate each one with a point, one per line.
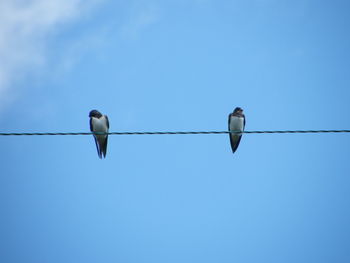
(25, 28)
(142, 14)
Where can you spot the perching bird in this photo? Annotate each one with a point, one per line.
(99, 124)
(236, 122)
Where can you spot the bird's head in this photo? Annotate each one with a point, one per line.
(95, 113)
(238, 110)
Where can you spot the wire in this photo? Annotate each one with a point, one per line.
(167, 132)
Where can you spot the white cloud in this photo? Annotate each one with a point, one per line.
(142, 15)
(25, 27)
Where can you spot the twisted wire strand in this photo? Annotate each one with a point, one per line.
(165, 132)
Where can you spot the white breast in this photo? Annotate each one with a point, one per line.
(236, 123)
(100, 125)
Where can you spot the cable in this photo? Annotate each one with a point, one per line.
(167, 132)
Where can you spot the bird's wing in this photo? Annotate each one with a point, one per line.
(235, 140)
(91, 125)
(96, 140)
(107, 121)
(99, 152)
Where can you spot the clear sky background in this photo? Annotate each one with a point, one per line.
(175, 65)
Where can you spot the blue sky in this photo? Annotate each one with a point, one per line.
(175, 65)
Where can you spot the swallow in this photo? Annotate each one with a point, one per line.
(99, 124)
(236, 122)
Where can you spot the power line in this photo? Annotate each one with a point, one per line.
(166, 132)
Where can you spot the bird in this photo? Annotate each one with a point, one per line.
(99, 123)
(236, 122)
